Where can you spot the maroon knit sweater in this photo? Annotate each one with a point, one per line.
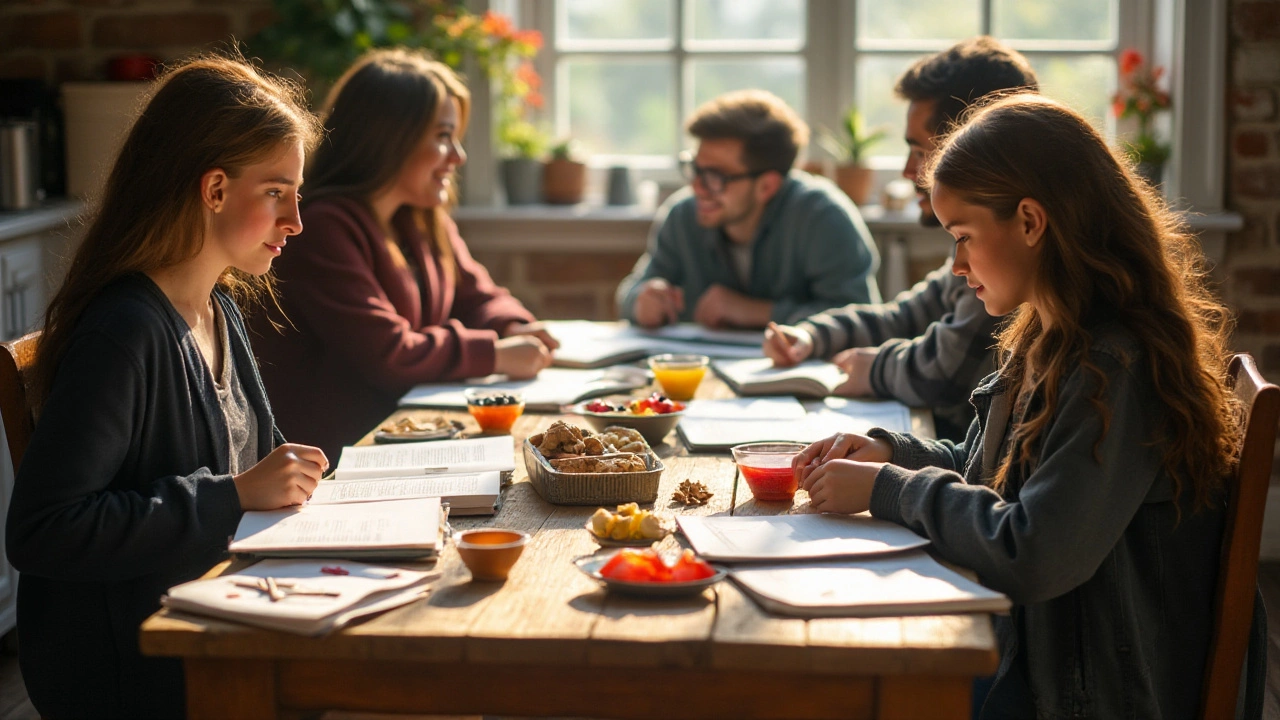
(366, 330)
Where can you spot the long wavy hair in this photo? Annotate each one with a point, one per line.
(207, 112)
(375, 115)
(1112, 250)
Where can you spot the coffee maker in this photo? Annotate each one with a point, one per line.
(30, 144)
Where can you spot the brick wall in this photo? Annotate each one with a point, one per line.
(59, 40)
(1252, 285)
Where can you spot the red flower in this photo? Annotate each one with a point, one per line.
(1130, 60)
(535, 100)
(526, 74)
(497, 25)
(532, 38)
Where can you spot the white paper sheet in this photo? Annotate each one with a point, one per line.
(386, 524)
(794, 537)
(473, 490)
(427, 458)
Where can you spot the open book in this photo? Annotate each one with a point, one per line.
(310, 601)
(903, 584)
(438, 457)
(717, 425)
(758, 376)
(466, 494)
(552, 388)
(383, 529)
(794, 537)
(585, 344)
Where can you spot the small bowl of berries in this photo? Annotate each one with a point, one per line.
(653, 417)
(495, 411)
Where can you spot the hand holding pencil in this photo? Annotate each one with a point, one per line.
(786, 345)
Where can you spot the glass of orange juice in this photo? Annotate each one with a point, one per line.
(679, 375)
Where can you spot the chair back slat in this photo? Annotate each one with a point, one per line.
(1241, 541)
(16, 407)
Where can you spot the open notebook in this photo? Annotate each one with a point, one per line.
(385, 529)
(910, 583)
(585, 344)
(552, 388)
(758, 376)
(794, 537)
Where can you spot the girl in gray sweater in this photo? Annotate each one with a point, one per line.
(1089, 487)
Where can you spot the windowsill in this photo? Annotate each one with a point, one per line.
(52, 214)
(554, 213)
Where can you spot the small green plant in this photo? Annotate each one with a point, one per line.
(520, 138)
(857, 139)
(563, 150)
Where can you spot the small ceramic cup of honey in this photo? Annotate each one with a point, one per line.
(489, 553)
(495, 411)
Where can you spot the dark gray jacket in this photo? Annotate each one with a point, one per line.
(123, 492)
(1112, 589)
(935, 345)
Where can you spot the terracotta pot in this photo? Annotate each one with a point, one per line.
(855, 181)
(817, 168)
(564, 182)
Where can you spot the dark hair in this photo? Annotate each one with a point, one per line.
(959, 76)
(375, 115)
(1112, 251)
(207, 112)
(771, 132)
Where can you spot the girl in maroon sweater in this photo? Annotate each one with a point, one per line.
(382, 293)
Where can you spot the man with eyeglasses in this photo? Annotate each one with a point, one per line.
(750, 241)
(933, 343)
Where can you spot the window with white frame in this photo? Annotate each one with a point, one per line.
(624, 74)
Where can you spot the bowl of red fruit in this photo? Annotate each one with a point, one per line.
(653, 416)
(648, 574)
(766, 466)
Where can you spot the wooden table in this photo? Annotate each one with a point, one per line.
(549, 641)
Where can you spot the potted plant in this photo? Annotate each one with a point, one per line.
(522, 144)
(564, 180)
(1140, 97)
(852, 176)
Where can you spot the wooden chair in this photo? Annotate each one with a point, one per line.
(1237, 622)
(16, 407)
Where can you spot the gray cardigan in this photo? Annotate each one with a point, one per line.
(811, 252)
(123, 492)
(1112, 587)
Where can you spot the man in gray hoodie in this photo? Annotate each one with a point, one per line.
(932, 344)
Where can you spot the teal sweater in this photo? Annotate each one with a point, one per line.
(811, 252)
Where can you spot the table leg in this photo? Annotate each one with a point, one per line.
(906, 698)
(219, 689)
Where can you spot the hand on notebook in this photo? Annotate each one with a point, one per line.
(285, 477)
(841, 446)
(786, 345)
(856, 362)
(842, 486)
(658, 303)
(535, 329)
(520, 357)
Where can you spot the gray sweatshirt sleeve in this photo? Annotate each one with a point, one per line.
(661, 259)
(864, 325)
(840, 263)
(1032, 546)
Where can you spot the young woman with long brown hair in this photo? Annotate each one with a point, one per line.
(1089, 487)
(154, 432)
(383, 294)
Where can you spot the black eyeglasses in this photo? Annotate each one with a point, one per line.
(713, 180)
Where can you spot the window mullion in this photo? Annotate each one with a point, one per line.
(683, 81)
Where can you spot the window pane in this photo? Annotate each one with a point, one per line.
(917, 20)
(617, 20)
(746, 20)
(624, 106)
(1054, 19)
(880, 107)
(1085, 82)
(782, 76)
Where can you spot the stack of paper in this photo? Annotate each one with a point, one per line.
(383, 529)
(312, 598)
(715, 425)
(469, 494)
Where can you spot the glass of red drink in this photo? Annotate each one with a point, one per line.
(766, 467)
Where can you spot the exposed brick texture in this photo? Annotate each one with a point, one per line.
(1251, 144)
(1254, 104)
(582, 268)
(1256, 21)
(160, 30)
(1259, 322)
(1257, 182)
